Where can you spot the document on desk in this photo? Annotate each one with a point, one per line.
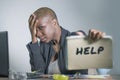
(93, 76)
(37, 75)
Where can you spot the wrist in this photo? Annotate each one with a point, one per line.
(34, 39)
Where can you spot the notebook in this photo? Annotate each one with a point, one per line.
(82, 53)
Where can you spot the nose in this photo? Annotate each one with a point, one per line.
(39, 34)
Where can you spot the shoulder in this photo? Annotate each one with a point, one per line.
(65, 31)
(79, 32)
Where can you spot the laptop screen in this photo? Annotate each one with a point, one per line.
(4, 61)
(84, 54)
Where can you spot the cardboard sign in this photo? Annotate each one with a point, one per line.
(84, 54)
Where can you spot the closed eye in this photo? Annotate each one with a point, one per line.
(41, 27)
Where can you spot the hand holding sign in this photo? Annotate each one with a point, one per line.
(95, 34)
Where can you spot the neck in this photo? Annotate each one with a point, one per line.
(57, 34)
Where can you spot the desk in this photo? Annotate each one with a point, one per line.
(113, 77)
(3, 78)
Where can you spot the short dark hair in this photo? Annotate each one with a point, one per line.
(45, 11)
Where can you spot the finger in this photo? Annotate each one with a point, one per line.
(80, 33)
(97, 36)
(92, 34)
(30, 18)
(89, 34)
(35, 27)
(35, 24)
(103, 34)
(33, 21)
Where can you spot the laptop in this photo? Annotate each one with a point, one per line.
(4, 56)
(85, 54)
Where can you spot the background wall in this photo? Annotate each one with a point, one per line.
(72, 15)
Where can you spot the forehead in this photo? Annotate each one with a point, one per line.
(44, 20)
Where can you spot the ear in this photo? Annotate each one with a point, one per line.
(54, 22)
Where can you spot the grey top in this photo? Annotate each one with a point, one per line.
(41, 54)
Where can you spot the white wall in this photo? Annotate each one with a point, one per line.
(72, 15)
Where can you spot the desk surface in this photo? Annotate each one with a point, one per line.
(113, 77)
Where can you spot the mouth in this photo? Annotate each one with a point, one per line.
(43, 39)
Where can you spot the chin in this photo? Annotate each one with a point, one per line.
(47, 41)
